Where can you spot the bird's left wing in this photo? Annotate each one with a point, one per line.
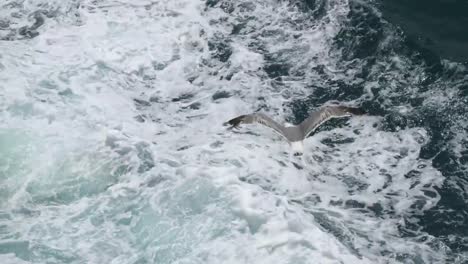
(256, 118)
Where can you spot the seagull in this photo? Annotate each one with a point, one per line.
(295, 135)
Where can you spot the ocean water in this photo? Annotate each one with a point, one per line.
(436, 25)
(112, 148)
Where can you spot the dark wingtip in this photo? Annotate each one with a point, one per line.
(355, 110)
(235, 122)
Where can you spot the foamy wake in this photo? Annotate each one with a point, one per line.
(119, 154)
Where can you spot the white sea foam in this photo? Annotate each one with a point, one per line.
(86, 183)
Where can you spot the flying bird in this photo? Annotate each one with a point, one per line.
(295, 135)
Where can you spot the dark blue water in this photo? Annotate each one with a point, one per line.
(437, 25)
(429, 35)
(433, 31)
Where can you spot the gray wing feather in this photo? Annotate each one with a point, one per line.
(324, 114)
(257, 118)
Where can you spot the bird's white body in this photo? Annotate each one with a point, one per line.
(297, 147)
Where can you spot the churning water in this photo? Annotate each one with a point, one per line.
(112, 149)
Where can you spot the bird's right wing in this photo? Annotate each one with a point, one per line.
(256, 118)
(326, 113)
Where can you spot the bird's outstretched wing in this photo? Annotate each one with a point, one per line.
(326, 113)
(256, 118)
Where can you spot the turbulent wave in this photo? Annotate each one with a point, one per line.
(113, 151)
